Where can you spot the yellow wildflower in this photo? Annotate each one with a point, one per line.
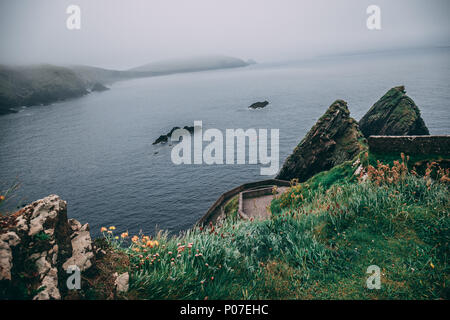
(112, 228)
(152, 244)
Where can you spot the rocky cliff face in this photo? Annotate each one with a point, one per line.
(335, 138)
(37, 246)
(395, 114)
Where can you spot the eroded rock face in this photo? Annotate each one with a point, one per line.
(335, 138)
(395, 114)
(82, 253)
(37, 244)
(7, 242)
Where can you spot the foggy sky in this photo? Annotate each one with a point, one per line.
(127, 33)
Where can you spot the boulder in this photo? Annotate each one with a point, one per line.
(122, 282)
(335, 138)
(37, 244)
(395, 114)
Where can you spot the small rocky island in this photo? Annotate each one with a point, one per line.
(259, 105)
(165, 137)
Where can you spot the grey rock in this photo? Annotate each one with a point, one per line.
(122, 283)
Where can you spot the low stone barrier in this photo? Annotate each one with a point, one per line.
(254, 193)
(216, 210)
(410, 145)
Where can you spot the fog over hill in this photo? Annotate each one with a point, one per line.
(121, 34)
(45, 83)
(192, 64)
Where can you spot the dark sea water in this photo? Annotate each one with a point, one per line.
(96, 152)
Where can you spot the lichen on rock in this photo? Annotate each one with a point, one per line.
(35, 244)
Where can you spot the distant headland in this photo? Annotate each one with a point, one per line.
(44, 84)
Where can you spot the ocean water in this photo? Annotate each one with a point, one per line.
(96, 152)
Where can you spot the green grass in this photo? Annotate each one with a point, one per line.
(318, 247)
(231, 208)
(389, 158)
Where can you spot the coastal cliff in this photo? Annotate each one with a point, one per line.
(46, 84)
(37, 85)
(355, 208)
(335, 138)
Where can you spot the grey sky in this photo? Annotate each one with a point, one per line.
(126, 33)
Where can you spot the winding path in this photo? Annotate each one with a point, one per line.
(259, 191)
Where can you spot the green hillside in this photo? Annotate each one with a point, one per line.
(36, 85)
(322, 237)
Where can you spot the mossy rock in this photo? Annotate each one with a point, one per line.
(395, 114)
(334, 139)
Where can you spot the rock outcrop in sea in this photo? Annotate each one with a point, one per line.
(164, 138)
(259, 105)
(395, 114)
(335, 138)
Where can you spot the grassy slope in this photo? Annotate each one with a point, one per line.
(40, 84)
(317, 245)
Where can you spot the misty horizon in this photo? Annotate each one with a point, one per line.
(112, 36)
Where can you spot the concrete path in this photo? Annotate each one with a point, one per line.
(258, 208)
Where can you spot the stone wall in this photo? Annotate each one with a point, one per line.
(410, 145)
